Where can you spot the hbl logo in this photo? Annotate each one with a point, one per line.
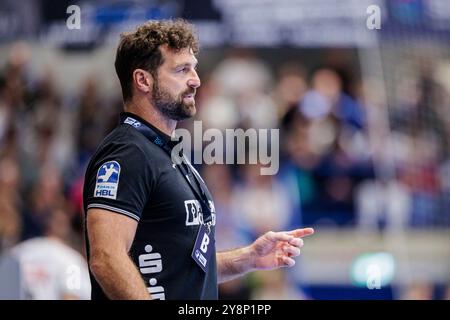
(107, 180)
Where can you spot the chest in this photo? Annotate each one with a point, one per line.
(176, 201)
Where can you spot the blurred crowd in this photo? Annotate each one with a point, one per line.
(329, 170)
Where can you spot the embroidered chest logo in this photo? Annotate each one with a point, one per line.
(194, 215)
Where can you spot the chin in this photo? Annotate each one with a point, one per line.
(186, 112)
(191, 110)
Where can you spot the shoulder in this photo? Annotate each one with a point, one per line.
(123, 144)
(122, 137)
(126, 153)
(43, 246)
(126, 138)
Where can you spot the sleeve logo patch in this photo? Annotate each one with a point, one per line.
(107, 180)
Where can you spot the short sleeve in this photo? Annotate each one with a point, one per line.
(119, 180)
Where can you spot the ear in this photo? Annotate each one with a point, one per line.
(143, 81)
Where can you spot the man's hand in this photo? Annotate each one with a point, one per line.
(270, 251)
(277, 249)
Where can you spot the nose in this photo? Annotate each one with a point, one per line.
(194, 81)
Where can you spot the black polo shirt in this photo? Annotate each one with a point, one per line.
(132, 176)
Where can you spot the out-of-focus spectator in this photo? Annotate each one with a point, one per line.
(229, 228)
(236, 289)
(389, 202)
(92, 119)
(297, 142)
(444, 177)
(256, 109)
(242, 81)
(261, 202)
(10, 219)
(417, 158)
(274, 285)
(241, 71)
(46, 193)
(290, 87)
(51, 269)
(447, 292)
(419, 291)
(216, 110)
(51, 126)
(229, 231)
(10, 225)
(325, 138)
(328, 84)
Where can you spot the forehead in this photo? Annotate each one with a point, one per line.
(183, 56)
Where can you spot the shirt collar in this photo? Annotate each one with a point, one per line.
(168, 140)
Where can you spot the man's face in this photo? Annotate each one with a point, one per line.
(175, 86)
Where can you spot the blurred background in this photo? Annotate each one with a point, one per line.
(364, 116)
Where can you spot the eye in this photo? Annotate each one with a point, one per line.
(183, 70)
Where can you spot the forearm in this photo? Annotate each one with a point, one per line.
(234, 263)
(119, 278)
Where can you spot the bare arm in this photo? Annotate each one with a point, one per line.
(270, 251)
(233, 263)
(110, 238)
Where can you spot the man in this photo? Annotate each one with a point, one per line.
(150, 221)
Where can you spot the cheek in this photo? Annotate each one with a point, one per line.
(174, 86)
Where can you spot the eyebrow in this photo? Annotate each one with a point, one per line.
(186, 64)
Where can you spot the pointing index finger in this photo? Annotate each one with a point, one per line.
(279, 236)
(299, 233)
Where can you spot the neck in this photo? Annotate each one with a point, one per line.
(151, 115)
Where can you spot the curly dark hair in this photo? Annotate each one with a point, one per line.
(141, 49)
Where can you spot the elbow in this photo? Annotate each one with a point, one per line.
(99, 264)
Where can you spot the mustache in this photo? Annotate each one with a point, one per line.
(189, 91)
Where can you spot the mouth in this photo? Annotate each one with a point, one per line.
(189, 97)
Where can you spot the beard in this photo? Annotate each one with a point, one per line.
(173, 107)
